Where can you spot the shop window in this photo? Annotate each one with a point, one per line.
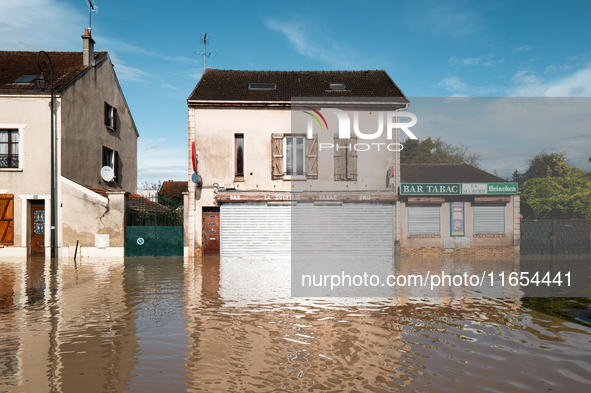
(489, 220)
(9, 149)
(345, 158)
(424, 221)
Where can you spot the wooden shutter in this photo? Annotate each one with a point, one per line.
(277, 156)
(114, 119)
(312, 157)
(351, 159)
(116, 165)
(339, 158)
(6, 219)
(107, 123)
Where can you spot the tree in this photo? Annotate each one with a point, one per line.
(542, 165)
(435, 151)
(563, 193)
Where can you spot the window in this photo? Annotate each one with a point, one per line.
(110, 117)
(25, 80)
(239, 154)
(111, 159)
(424, 220)
(262, 86)
(9, 149)
(6, 219)
(294, 157)
(489, 220)
(345, 158)
(337, 86)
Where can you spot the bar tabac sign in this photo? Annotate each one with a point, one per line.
(458, 188)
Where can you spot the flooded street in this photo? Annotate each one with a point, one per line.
(168, 325)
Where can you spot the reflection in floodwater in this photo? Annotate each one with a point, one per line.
(167, 325)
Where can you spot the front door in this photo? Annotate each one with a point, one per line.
(37, 227)
(211, 232)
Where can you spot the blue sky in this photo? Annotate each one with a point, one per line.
(430, 49)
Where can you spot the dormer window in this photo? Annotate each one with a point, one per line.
(110, 117)
(262, 86)
(337, 86)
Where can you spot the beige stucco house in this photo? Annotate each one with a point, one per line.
(93, 129)
(264, 142)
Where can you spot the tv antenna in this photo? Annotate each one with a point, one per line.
(91, 8)
(205, 39)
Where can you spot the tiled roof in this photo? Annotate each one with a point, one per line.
(13, 65)
(172, 187)
(445, 173)
(230, 85)
(99, 191)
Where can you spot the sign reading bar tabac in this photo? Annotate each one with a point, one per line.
(458, 188)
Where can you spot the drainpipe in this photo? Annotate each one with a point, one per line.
(397, 250)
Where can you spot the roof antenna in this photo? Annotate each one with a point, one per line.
(205, 39)
(91, 8)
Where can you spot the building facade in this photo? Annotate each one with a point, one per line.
(93, 129)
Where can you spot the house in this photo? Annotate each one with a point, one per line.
(457, 210)
(94, 132)
(266, 146)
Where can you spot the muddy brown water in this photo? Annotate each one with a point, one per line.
(173, 325)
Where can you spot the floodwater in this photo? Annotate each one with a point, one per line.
(168, 325)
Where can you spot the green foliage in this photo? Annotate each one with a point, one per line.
(435, 151)
(542, 165)
(563, 193)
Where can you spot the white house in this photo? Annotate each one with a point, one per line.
(93, 129)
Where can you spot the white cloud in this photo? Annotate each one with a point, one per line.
(577, 84)
(127, 74)
(31, 25)
(525, 48)
(486, 60)
(307, 41)
(458, 88)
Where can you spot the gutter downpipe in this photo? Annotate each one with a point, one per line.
(397, 250)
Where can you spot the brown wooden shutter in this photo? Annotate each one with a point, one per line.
(312, 157)
(7, 219)
(115, 119)
(339, 157)
(106, 114)
(352, 159)
(277, 156)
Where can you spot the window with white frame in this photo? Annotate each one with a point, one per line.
(424, 220)
(295, 156)
(489, 220)
(9, 149)
(110, 117)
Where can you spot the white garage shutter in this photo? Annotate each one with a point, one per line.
(489, 220)
(424, 220)
(259, 230)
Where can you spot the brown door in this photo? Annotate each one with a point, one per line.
(37, 227)
(211, 233)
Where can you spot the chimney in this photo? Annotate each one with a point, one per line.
(88, 49)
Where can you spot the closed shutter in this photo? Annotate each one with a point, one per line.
(340, 159)
(6, 219)
(312, 157)
(424, 220)
(255, 230)
(489, 220)
(116, 165)
(106, 114)
(352, 159)
(277, 156)
(114, 119)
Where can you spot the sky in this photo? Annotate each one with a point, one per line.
(429, 48)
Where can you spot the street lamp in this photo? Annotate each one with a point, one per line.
(43, 83)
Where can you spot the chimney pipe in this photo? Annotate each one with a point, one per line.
(88, 49)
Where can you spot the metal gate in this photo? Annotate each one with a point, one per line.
(561, 237)
(154, 227)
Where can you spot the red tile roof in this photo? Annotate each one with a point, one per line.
(230, 85)
(99, 191)
(170, 187)
(445, 173)
(66, 66)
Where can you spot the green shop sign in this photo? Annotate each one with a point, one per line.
(430, 189)
(458, 188)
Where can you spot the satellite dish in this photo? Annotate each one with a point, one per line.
(107, 173)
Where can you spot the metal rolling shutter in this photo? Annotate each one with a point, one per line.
(424, 220)
(259, 230)
(255, 230)
(489, 220)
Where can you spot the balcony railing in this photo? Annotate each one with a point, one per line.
(8, 161)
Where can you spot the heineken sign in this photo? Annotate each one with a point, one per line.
(458, 188)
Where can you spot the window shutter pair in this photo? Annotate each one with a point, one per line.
(345, 158)
(277, 156)
(6, 219)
